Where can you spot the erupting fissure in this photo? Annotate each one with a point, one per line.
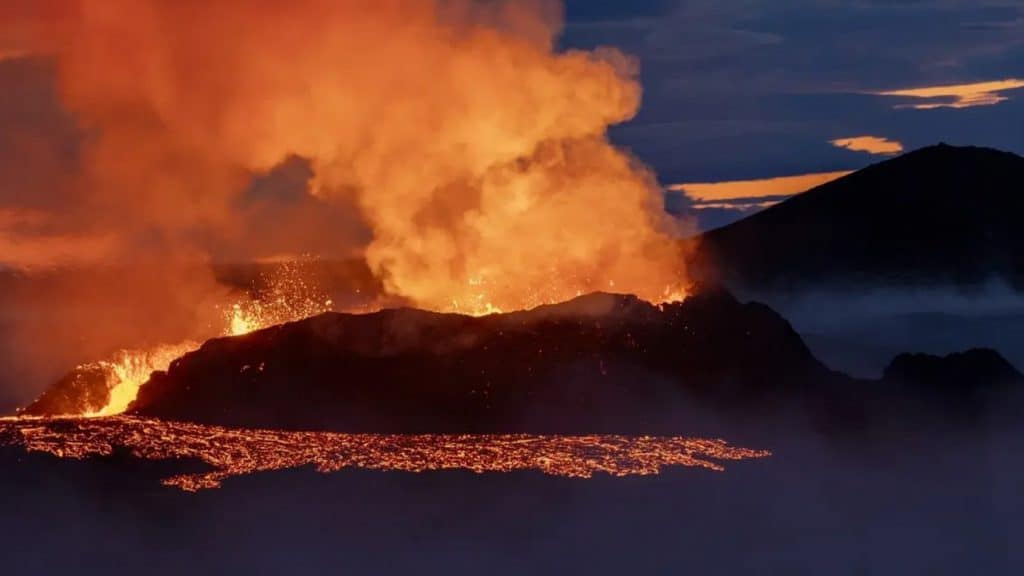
(288, 298)
(478, 301)
(451, 144)
(128, 370)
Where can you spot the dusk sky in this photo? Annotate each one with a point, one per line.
(794, 92)
(760, 89)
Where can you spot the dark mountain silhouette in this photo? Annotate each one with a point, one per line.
(963, 372)
(938, 214)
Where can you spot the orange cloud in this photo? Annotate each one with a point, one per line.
(755, 205)
(957, 95)
(719, 192)
(869, 144)
(26, 242)
(12, 54)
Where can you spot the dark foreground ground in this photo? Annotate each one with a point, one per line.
(938, 502)
(922, 490)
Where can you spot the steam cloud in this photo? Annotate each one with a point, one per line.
(449, 141)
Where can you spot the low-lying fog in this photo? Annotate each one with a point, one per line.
(943, 503)
(858, 329)
(935, 497)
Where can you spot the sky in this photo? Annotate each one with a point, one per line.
(740, 90)
(744, 102)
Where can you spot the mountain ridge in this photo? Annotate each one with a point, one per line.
(597, 363)
(939, 214)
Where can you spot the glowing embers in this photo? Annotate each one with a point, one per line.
(287, 297)
(481, 291)
(235, 452)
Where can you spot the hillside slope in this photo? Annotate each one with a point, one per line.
(941, 214)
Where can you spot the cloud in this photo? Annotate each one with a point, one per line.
(39, 141)
(13, 54)
(738, 89)
(28, 241)
(738, 190)
(744, 203)
(715, 204)
(869, 144)
(956, 95)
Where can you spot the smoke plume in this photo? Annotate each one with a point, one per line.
(462, 153)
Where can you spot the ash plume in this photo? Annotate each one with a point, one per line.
(448, 141)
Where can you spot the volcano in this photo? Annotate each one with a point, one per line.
(601, 363)
(596, 363)
(941, 214)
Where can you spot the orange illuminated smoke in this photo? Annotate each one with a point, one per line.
(474, 151)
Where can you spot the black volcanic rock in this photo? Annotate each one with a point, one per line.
(938, 214)
(962, 372)
(84, 389)
(598, 363)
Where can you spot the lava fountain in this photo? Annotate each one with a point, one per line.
(108, 387)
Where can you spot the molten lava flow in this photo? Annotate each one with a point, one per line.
(131, 368)
(233, 452)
